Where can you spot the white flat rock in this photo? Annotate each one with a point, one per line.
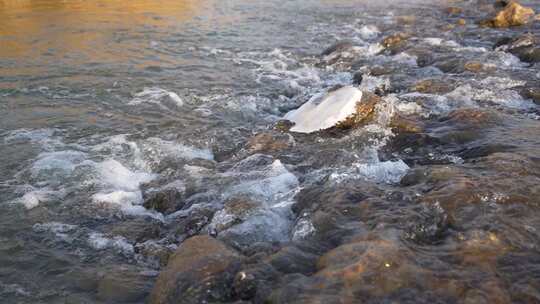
(324, 111)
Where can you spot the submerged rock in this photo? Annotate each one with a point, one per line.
(201, 270)
(344, 108)
(513, 14)
(123, 286)
(433, 86)
(452, 10)
(164, 200)
(525, 47)
(532, 93)
(395, 41)
(268, 142)
(337, 47)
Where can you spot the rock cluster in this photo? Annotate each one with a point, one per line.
(513, 14)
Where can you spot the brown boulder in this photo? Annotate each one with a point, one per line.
(432, 86)
(405, 124)
(453, 10)
(513, 14)
(394, 40)
(473, 66)
(200, 271)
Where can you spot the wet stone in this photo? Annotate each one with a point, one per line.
(357, 78)
(532, 93)
(453, 10)
(291, 259)
(429, 226)
(525, 47)
(395, 41)
(137, 229)
(123, 286)
(406, 124)
(165, 201)
(339, 46)
(433, 86)
(269, 142)
(201, 270)
(234, 212)
(473, 66)
(283, 125)
(513, 14)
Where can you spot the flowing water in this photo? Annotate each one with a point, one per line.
(104, 102)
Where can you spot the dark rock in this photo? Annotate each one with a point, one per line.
(201, 270)
(137, 229)
(255, 282)
(245, 285)
(450, 65)
(269, 142)
(532, 93)
(337, 47)
(192, 222)
(290, 259)
(484, 150)
(235, 210)
(357, 78)
(429, 226)
(123, 286)
(284, 125)
(164, 201)
(525, 47)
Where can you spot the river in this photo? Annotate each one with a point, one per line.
(107, 103)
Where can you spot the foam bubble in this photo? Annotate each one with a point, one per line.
(270, 184)
(114, 175)
(98, 241)
(157, 96)
(32, 199)
(368, 31)
(389, 172)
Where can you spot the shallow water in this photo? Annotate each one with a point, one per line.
(103, 103)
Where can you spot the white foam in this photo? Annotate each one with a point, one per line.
(59, 163)
(323, 111)
(433, 41)
(384, 172)
(368, 31)
(157, 96)
(372, 83)
(54, 227)
(116, 176)
(32, 199)
(44, 137)
(389, 172)
(405, 58)
(157, 149)
(60, 230)
(303, 229)
(270, 184)
(99, 242)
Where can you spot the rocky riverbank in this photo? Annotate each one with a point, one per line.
(373, 153)
(435, 234)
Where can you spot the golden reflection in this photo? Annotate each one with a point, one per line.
(55, 28)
